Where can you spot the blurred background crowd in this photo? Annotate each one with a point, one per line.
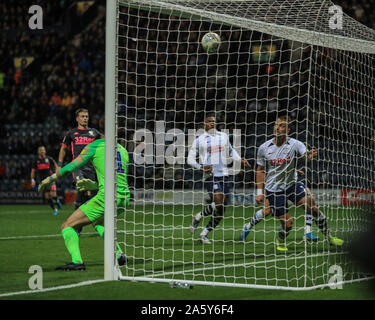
(45, 75)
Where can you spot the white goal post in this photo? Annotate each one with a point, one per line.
(303, 58)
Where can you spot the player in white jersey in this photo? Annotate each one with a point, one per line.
(260, 214)
(213, 148)
(277, 179)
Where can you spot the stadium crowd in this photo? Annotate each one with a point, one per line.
(177, 85)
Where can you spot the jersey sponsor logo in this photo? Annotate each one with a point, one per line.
(43, 166)
(83, 140)
(215, 149)
(279, 162)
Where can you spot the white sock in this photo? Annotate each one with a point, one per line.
(205, 232)
(307, 228)
(322, 216)
(258, 216)
(208, 210)
(308, 222)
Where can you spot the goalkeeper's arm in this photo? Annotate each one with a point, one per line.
(77, 163)
(86, 185)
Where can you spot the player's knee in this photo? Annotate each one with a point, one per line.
(219, 199)
(267, 211)
(310, 202)
(64, 225)
(67, 224)
(307, 203)
(288, 224)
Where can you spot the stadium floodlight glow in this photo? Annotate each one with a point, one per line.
(274, 57)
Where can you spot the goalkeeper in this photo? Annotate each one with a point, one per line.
(91, 211)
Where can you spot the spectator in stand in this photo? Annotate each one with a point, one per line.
(11, 170)
(67, 100)
(77, 66)
(75, 99)
(3, 170)
(55, 102)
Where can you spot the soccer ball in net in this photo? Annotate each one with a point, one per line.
(211, 42)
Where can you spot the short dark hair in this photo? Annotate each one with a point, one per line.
(284, 117)
(78, 111)
(210, 115)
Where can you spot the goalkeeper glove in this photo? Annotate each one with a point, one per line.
(86, 184)
(47, 182)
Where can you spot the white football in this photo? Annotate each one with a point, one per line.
(211, 42)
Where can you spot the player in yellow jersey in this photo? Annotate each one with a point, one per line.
(93, 210)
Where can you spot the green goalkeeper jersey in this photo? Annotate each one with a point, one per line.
(95, 152)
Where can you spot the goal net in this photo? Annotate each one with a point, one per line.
(303, 58)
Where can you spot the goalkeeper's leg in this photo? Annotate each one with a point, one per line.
(89, 212)
(121, 257)
(82, 197)
(71, 239)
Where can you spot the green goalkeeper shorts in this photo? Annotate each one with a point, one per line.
(94, 208)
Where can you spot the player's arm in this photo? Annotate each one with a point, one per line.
(55, 166)
(259, 182)
(62, 154)
(32, 177)
(260, 175)
(311, 154)
(64, 147)
(85, 156)
(192, 156)
(236, 157)
(303, 152)
(87, 185)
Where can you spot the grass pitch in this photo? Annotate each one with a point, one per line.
(158, 244)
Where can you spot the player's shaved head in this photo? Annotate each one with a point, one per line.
(210, 115)
(41, 150)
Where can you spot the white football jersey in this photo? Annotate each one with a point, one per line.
(280, 163)
(214, 150)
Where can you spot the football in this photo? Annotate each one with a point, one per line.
(211, 42)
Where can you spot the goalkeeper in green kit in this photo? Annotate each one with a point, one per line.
(91, 211)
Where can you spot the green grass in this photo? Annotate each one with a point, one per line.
(159, 244)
